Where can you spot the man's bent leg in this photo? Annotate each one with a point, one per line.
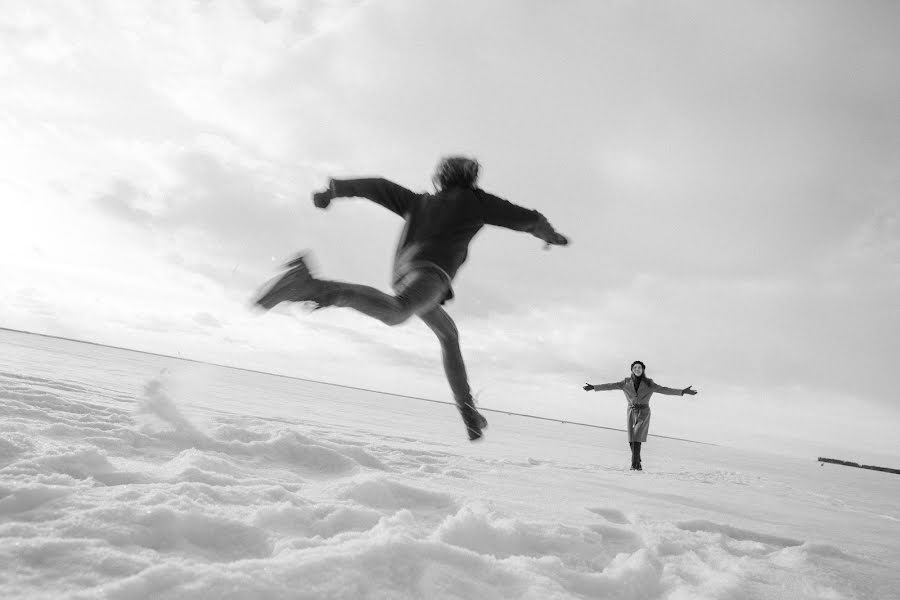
(420, 291)
(445, 329)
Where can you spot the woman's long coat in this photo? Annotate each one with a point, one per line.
(637, 417)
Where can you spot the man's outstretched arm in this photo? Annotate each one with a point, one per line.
(504, 213)
(390, 195)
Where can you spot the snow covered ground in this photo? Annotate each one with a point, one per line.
(126, 475)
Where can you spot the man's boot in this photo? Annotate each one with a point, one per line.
(296, 284)
(473, 419)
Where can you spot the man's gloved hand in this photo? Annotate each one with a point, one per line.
(588, 387)
(323, 198)
(544, 230)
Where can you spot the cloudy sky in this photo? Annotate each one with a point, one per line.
(729, 174)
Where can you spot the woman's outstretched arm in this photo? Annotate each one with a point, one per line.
(666, 391)
(603, 387)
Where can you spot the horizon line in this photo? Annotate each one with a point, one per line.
(351, 387)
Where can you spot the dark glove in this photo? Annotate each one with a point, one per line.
(544, 230)
(322, 199)
(588, 387)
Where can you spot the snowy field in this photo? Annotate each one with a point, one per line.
(126, 475)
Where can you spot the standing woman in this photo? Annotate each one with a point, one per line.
(638, 390)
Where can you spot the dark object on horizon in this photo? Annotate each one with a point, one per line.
(848, 463)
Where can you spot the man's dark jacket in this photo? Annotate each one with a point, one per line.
(439, 226)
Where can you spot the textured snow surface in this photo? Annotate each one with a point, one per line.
(124, 475)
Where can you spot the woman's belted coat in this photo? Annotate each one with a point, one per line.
(637, 417)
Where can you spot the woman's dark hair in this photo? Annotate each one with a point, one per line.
(459, 171)
(637, 362)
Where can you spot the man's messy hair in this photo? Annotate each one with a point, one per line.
(456, 171)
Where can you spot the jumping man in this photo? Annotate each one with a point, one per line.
(433, 246)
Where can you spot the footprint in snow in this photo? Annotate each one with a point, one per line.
(612, 515)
